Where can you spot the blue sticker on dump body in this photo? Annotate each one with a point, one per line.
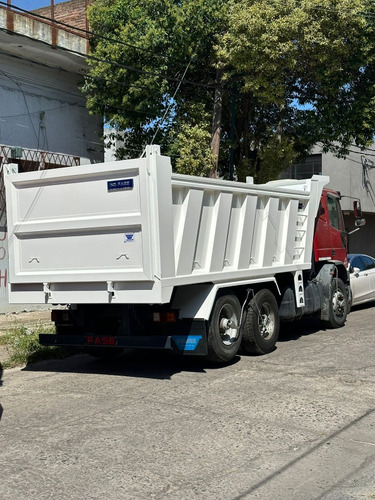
(129, 237)
(120, 185)
(186, 342)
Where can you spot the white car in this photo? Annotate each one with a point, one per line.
(362, 277)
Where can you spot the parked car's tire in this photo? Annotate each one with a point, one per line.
(224, 333)
(261, 324)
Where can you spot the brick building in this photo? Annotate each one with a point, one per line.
(72, 12)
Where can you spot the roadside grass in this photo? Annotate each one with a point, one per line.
(22, 345)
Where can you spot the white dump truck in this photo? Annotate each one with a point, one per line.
(146, 258)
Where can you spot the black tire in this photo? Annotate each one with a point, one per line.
(224, 333)
(338, 305)
(261, 324)
(350, 300)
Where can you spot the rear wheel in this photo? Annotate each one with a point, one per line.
(224, 335)
(338, 304)
(261, 324)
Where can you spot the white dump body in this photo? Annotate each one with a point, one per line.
(130, 231)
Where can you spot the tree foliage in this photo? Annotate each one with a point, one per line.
(293, 73)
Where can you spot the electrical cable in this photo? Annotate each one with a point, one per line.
(112, 63)
(131, 68)
(24, 98)
(42, 110)
(171, 100)
(79, 74)
(350, 150)
(59, 68)
(81, 30)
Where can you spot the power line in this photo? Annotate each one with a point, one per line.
(59, 68)
(361, 152)
(112, 40)
(367, 149)
(122, 84)
(41, 110)
(171, 101)
(87, 32)
(24, 98)
(112, 63)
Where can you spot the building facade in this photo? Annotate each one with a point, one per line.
(354, 177)
(44, 122)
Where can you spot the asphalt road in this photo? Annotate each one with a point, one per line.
(298, 423)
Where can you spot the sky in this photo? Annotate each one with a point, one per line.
(32, 4)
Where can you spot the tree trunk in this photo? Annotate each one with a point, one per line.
(216, 122)
(280, 124)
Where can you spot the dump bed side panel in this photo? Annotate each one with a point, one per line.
(225, 230)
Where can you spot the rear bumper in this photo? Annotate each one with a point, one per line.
(180, 344)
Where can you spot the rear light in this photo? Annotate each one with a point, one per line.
(164, 317)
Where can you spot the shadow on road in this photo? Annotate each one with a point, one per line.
(297, 329)
(309, 325)
(157, 364)
(145, 364)
(361, 307)
(161, 365)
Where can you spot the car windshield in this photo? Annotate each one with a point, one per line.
(361, 262)
(356, 262)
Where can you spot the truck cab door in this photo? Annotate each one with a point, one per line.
(338, 236)
(330, 238)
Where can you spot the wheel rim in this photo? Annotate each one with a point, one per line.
(228, 325)
(266, 321)
(338, 304)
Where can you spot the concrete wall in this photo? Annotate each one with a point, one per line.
(32, 29)
(41, 108)
(363, 240)
(354, 177)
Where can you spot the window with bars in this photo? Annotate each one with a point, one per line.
(312, 165)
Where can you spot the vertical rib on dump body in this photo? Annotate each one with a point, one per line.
(130, 231)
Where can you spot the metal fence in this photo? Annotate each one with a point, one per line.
(28, 160)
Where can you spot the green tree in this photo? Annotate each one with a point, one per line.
(306, 75)
(153, 69)
(278, 75)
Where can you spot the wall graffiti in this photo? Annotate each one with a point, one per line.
(3, 266)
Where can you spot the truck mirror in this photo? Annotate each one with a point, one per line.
(357, 209)
(360, 222)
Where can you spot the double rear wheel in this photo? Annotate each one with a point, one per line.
(261, 324)
(257, 331)
(224, 332)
